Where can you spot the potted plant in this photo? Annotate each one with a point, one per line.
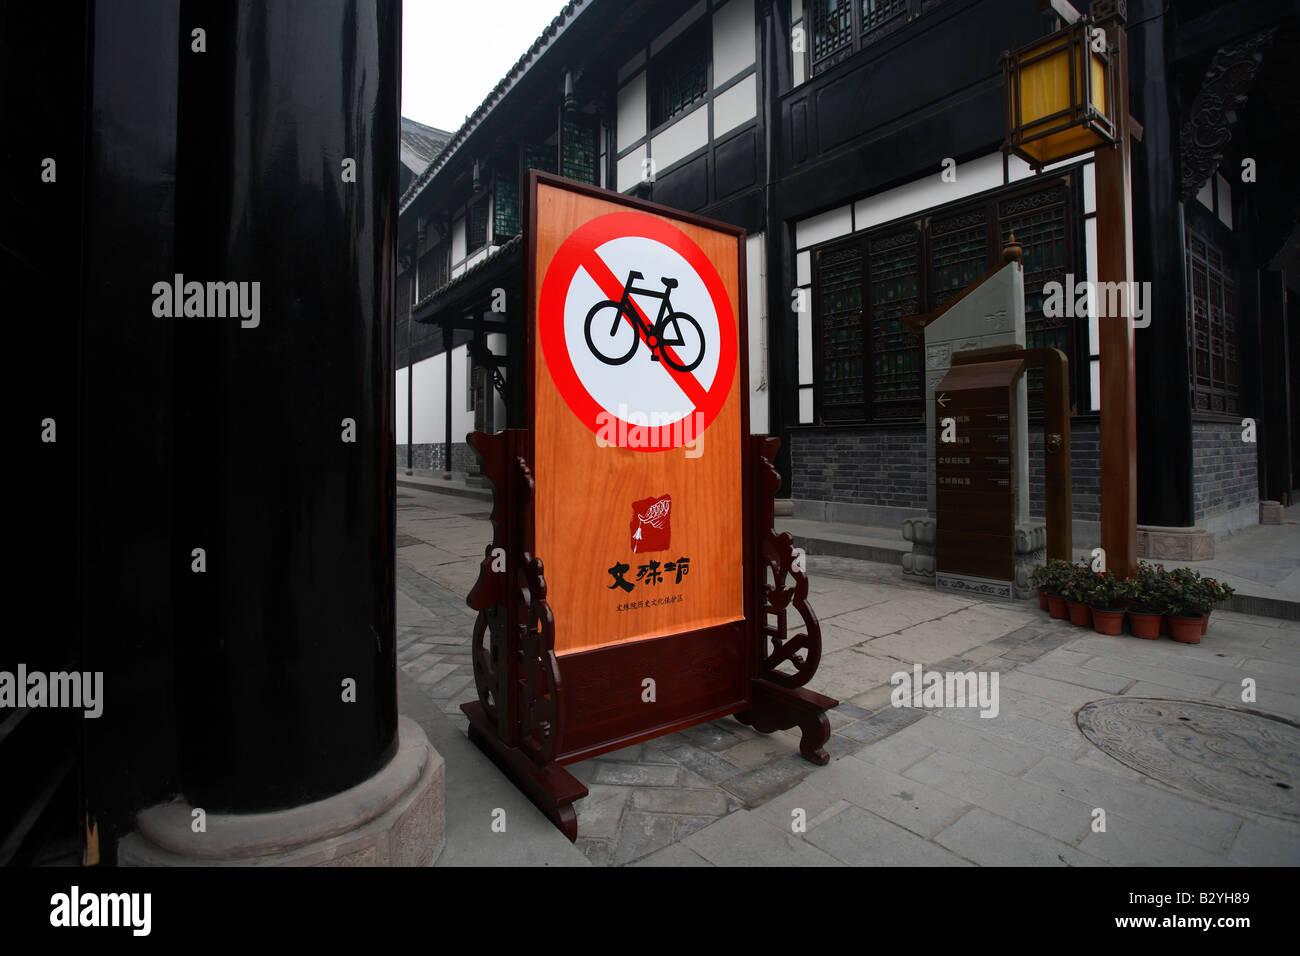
(1217, 593)
(1108, 598)
(1146, 605)
(1075, 590)
(1056, 573)
(1038, 579)
(1186, 600)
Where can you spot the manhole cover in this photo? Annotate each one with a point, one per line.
(1246, 759)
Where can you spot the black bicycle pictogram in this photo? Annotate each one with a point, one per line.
(666, 332)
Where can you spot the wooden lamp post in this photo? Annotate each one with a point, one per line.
(1067, 94)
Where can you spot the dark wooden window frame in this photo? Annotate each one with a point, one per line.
(476, 225)
(695, 39)
(1218, 395)
(860, 34)
(928, 298)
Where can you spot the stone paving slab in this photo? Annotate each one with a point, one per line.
(906, 785)
(743, 839)
(991, 840)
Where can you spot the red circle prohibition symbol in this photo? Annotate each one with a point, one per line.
(578, 251)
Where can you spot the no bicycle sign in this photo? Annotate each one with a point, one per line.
(638, 405)
(638, 331)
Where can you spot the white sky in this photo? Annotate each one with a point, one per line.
(455, 51)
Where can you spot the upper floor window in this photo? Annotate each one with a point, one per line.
(433, 270)
(476, 226)
(679, 76)
(841, 27)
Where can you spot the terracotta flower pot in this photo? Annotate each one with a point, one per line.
(1205, 621)
(1107, 622)
(1144, 625)
(1042, 600)
(1080, 613)
(1185, 630)
(1057, 608)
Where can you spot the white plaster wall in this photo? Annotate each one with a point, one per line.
(806, 343)
(427, 401)
(974, 176)
(756, 328)
(1018, 169)
(1205, 195)
(458, 240)
(629, 169)
(736, 106)
(399, 402)
(681, 138)
(733, 39)
(631, 111)
(1225, 200)
(430, 393)
(828, 225)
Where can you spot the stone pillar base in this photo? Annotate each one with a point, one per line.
(1270, 512)
(921, 532)
(1181, 544)
(395, 818)
(1031, 551)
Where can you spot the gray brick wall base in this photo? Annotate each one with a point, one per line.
(428, 459)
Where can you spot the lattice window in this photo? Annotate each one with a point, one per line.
(959, 253)
(841, 27)
(579, 161)
(476, 226)
(539, 156)
(877, 12)
(433, 271)
(895, 350)
(839, 287)
(1211, 327)
(1040, 225)
(832, 28)
(917, 268)
(505, 208)
(679, 77)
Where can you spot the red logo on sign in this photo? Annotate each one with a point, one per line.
(650, 527)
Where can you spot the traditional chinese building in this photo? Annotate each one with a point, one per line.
(859, 144)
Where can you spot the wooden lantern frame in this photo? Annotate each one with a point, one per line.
(1074, 42)
(537, 711)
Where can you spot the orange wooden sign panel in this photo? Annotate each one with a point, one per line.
(638, 392)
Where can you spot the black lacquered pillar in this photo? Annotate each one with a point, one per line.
(283, 523)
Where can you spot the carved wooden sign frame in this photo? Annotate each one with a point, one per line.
(679, 513)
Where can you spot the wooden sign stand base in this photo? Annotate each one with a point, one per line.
(519, 717)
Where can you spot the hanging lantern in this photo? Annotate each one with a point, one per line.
(1060, 95)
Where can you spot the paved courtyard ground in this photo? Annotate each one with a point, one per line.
(1198, 775)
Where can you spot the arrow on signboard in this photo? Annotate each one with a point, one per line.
(943, 400)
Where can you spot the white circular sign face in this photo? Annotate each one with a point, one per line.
(638, 330)
(611, 352)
